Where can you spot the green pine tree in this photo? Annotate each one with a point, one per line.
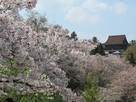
(100, 49)
(74, 35)
(95, 40)
(91, 93)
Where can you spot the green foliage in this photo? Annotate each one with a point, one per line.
(91, 93)
(10, 70)
(33, 97)
(94, 51)
(130, 58)
(57, 26)
(99, 49)
(25, 70)
(130, 54)
(132, 42)
(44, 29)
(94, 40)
(30, 97)
(72, 36)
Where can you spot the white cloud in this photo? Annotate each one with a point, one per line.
(65, 4)
(79, 14)
(94, 5)
(119, 8)
(90, 5)
(88, 11)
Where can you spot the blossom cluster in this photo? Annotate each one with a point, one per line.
(52, 59)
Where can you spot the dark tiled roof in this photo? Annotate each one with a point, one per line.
(118, 39)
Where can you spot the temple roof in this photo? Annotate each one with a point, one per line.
(117, 39)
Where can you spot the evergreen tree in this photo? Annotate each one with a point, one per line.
(132, 42)
(91, 93)
(94, 51)
(94, 40)
(100, 49)
(74, 35)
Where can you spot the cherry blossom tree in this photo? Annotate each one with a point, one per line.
(126, 80)
(36, 51)
(47, 62)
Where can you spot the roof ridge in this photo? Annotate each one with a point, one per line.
(117, 35)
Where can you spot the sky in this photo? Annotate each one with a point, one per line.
(89, 18)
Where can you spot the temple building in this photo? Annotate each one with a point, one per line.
(116, 44)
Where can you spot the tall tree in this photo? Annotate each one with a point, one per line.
(94, 40)
(99, 49)
(132, 42)
(74, 35)
(91, 93)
